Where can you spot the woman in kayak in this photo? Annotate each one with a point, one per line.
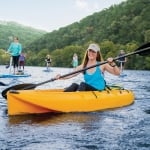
(93, 77)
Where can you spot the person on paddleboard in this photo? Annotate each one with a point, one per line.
(75, 60)
(15, 49)
(93, 77)
(48, 61)
(122, 60)
(22, 61)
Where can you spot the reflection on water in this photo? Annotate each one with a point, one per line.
(117, 129)
(147, 111)
(51, 119)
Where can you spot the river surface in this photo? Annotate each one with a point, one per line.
(126, 128)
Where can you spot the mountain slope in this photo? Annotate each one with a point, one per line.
(120, 24)
(26, 34)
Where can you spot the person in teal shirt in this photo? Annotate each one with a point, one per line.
(15, 49)
(75, 60)
(93, 77)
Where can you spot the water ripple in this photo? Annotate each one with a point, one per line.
(115, 129)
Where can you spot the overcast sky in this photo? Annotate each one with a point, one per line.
(50, 15)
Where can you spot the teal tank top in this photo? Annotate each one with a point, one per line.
(95, 79)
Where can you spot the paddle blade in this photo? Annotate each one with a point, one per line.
(18, 87)
(2, 84)
(7, 66)
(145, 51)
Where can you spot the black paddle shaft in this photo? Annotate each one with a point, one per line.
(28, 86)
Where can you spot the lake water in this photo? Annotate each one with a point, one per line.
(126, 128)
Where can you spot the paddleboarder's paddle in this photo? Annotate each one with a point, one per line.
(7, 66)
(10, 62)
(28, 86)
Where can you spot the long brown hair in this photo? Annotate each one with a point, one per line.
(99, 58)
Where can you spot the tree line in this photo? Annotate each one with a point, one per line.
(124, 26)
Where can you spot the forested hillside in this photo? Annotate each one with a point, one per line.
(124, 26)
(120, 24)
(10, 29)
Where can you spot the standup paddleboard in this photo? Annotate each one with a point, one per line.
(7, 75)
(123, 75)
(47, 70)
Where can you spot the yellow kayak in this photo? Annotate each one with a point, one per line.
(56, 101)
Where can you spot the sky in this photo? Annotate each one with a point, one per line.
(50, 15)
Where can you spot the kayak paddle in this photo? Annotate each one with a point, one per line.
(144, 53)
(2, 84)
(28, 86)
